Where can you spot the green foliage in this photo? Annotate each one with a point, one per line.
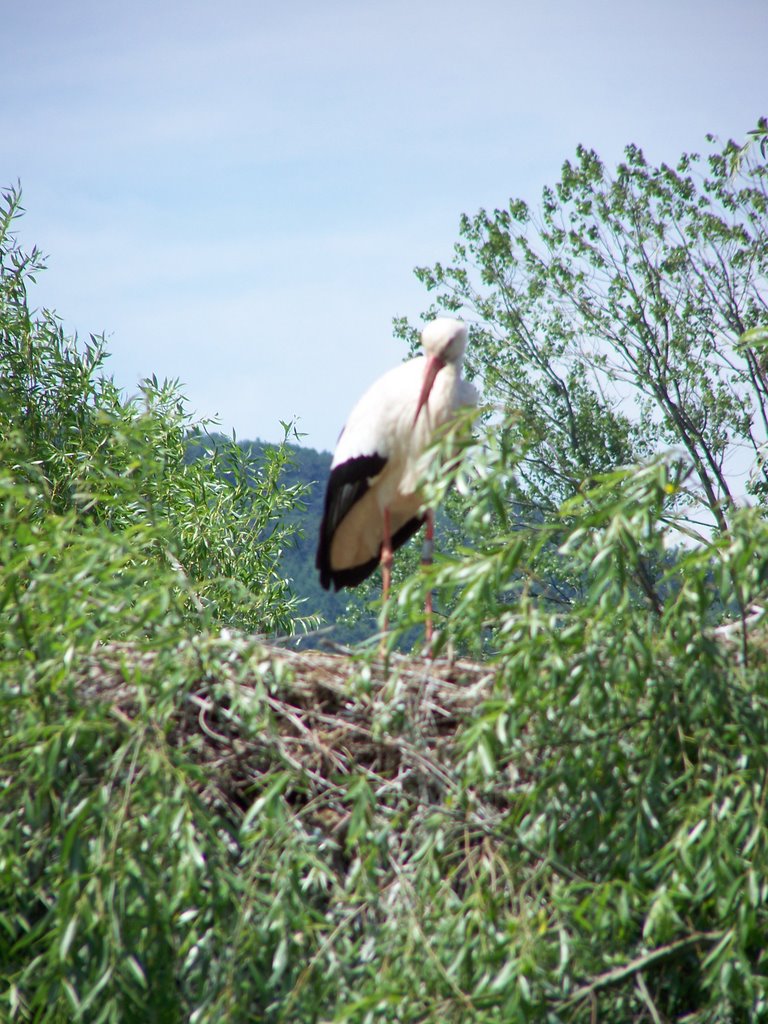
(614, 834)
(608, 321)
(95, 476)
(597, 843)
(617, 774)
(113, 871)
(588, 842)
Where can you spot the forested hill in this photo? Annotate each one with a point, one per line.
(308, 469)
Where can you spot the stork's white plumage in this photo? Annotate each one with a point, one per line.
(373, 503)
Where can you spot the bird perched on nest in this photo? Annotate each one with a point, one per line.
(373, 503)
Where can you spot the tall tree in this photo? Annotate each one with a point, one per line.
(608, 321)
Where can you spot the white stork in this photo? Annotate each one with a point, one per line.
(373, 503)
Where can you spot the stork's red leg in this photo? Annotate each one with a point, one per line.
(426, 559)
(386, 560)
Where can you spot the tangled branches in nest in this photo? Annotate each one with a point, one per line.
(243, 709)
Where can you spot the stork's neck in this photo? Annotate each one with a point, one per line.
(432, 367)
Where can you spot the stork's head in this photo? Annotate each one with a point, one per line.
(444, 341)
(445, 338)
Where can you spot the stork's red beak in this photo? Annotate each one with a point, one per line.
(431, 370)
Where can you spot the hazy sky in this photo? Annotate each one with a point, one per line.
(237, 193)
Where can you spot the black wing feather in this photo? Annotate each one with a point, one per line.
(357, 573)
(347, 484)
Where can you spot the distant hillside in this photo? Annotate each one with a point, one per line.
(345, 619)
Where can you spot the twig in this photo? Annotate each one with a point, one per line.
(617, 974)
(648, 999)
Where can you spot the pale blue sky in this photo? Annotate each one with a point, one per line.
(237, 193)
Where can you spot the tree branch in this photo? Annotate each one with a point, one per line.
(640, 963)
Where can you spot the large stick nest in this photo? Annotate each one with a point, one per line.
(321, 715)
